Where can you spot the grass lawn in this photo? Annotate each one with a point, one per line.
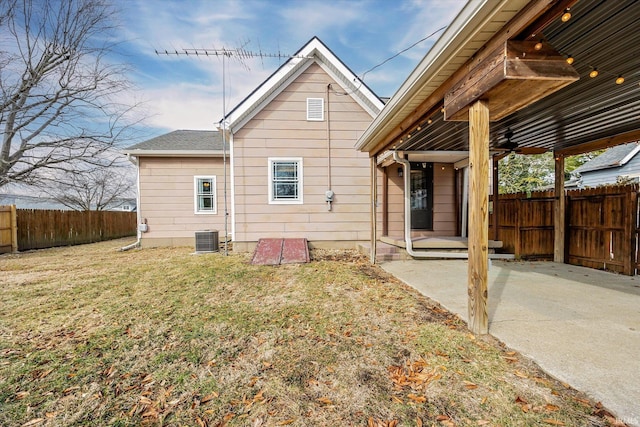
(92, 336)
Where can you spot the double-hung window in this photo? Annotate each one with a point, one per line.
(285, 180)
(205, 194)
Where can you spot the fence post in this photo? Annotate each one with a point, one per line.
(634, 231)
(629, 230)
(517, 249)
(559, 211)
(14, 229)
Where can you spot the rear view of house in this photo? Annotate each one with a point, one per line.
(296, 172)
(293, 170)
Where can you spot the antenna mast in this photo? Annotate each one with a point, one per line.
(241, 55)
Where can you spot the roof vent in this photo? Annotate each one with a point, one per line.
(207, 241)
(315, 109)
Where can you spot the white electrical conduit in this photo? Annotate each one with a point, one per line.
(406, 169)
(329, 200)
(134, 160)
(406, 166)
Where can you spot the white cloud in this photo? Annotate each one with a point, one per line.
(186, 92)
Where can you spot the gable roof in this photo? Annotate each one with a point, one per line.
(180, 143)
(613, 157)
(313, 52)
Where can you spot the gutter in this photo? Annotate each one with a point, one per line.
(174, 153)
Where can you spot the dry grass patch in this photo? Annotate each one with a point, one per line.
(91, 336)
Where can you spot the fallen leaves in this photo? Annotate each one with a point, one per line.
(21, 395)
(470, 385)
(553, 422)
(528, 407)
(373, 422)
(445, 420)
(325, 400)
(417, 399)
(414, 375)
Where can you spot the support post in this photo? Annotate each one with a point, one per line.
(374, 202)
(559, 210)
(14, 229)
(478, 217)
(496, 198)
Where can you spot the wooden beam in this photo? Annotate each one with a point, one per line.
(524, 19)
(478, 217)
(601, 144)
(559, 211)
(514, 76)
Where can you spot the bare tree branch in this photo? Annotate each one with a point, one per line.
(59, 93)
(97, 187)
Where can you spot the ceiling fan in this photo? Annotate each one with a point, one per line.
(511, 146)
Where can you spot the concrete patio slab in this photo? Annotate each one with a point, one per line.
(580, 325)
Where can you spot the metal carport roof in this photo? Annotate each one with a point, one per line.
(601, 34)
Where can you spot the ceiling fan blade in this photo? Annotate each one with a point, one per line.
(531, 150)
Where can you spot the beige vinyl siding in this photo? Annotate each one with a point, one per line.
(280, 129)
(167, 199)
(444, 210)
(444, 218)
(395, 191)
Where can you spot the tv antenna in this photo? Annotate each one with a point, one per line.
(241, 55)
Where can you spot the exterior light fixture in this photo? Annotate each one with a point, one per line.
(400, 172)
(570, 60)
(566, 15)
(594, 73)
(538, 45)
(619, 80)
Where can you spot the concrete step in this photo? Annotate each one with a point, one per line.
(384, 252)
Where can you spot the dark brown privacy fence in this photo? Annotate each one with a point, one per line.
(38, 229)
(8, 236)
(601, 227)
(525, 224)
(601, 230)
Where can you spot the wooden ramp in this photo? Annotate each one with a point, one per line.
(280, 251)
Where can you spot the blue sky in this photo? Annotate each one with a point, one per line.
(186, 92)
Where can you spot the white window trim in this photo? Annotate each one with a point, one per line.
(195, 195)
(321, 102)
(299, 201)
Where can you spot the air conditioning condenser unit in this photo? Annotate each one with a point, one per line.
(207, 241)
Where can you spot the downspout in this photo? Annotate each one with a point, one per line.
(134, 160)
(406, 166)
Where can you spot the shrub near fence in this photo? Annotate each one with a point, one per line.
(39, 229)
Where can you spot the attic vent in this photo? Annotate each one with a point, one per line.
(206, 241)
(315, 109)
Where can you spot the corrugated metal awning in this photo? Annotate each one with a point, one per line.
(602, 35)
